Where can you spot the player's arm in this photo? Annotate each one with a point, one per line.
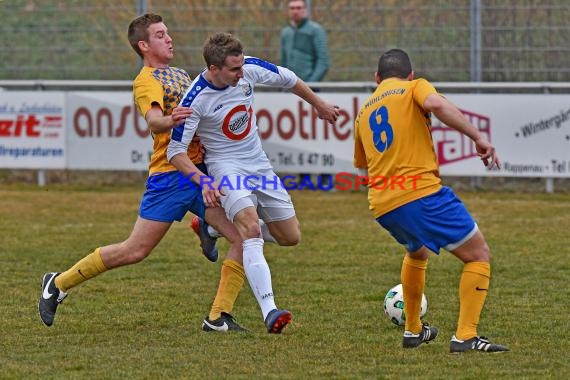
(177, 155)
(148, 95)
(359, 161)
(158, 122)
(326, 111)
(210, 191)
(452, 117)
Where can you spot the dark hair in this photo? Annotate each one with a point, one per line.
(138, 30)
(219, 46)
(394, 63)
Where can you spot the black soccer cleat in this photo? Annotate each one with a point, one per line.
(50, 298)
(208, 243)
(223, 324)
(427, 334)
(478, 343)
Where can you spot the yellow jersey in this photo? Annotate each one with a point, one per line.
(164, 87)
(392, 139)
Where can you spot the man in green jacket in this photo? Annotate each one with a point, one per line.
(304, 47)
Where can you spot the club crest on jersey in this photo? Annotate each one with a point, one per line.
(237, 123)
(246, 88)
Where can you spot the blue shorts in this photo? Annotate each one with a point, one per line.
(439, 220)
(169, 196)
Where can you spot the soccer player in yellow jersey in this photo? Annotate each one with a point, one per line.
(392, 142)
(168, 197)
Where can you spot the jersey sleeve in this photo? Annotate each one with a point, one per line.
(422, 89)
(147, 90)
(182, 135)
(359, 154)
(265, 72)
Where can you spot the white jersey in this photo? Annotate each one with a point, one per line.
(224, 118)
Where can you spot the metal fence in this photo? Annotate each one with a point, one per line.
(448, 40)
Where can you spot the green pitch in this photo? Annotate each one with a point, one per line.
(143, 321)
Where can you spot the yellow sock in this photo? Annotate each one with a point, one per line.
(413, 277)
(231, 282)
(86, 268)
(473, 288)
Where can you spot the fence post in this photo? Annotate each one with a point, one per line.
(41, 178)
(475, 12)
(549, 185)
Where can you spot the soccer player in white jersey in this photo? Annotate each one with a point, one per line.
(221, 98)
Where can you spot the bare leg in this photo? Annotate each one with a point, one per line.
(146, 234)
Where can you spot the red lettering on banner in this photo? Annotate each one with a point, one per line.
(104, 113)
(281, 127)
(145, 130)
(261, 115)
(25, 125)
(302, 114)
(102, 122)
(305, 123)
(5, 126)
(451, 145)
(82, 129)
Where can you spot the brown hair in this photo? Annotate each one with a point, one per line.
(219, 46)
(138, 30)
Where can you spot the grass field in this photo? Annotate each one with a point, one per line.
(143, 321)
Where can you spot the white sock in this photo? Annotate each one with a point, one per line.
(265, 233)
(258, 274)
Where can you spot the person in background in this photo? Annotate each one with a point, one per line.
(304, 50)
(304, 45)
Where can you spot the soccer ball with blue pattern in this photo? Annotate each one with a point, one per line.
(394, 305)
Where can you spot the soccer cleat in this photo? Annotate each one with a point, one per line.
(208, 243)
(427, 334)
(223, 324)
(50, 298)
(277, 320)
(478, 343)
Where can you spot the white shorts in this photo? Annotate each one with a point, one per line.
(262, 190)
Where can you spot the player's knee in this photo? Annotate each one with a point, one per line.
(481, 253)
(136, 254)
(290, 239)
(484, 253)
(250, 230)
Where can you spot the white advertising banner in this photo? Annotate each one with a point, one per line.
(531, 134)
(32, 130)
(105, 132)
(297, 141)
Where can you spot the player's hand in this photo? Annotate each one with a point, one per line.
(179, 114)
(328, 112)
(487, 153)
(211, 195)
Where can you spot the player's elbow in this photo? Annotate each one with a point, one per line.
(435, 103)
(173, 151)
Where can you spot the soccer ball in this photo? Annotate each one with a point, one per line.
(394, 305)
